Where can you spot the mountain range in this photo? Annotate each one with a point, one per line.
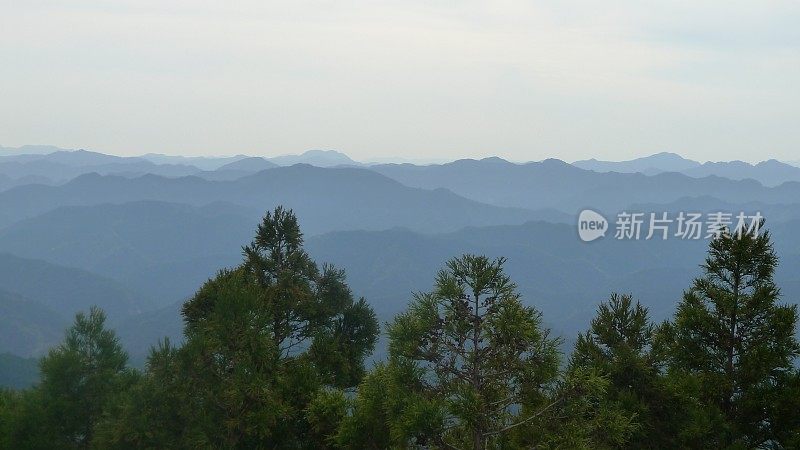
(325, 199)
(649, 165)
(769, 173)
(138, 235)
(53, 165)
(555, 184)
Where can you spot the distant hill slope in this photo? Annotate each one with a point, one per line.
(145, 233)
(556, 184)
(165, 249)
(65, 290)
(324, 199)
(237, 169)
(27, 327)
(17, 372)
(201, 162)
(250, 164)
(139, 333)
(8, 182)
(773, 213)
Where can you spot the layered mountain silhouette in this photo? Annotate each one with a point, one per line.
(251, 165)
(769, 173)
(138, 235)
(65, 290)
(39, 299)
(324, 199)
(165, 249)
(555, 184)
(319, 158)
(206, 163)
(52, 165)
(29, 150)
(62, 166)
(660, 162)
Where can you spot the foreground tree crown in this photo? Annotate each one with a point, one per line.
(731, 334)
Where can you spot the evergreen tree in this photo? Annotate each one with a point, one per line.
(785, 410)
(157, 411)
(579, 416)
(471, 367)
(731, 333)
(305, 311)
(474, 351)
(324, 415)
(79, 379)
(393, 408)
(619, 346)
(267, 345)
(24, 424)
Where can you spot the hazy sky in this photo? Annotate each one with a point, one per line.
(417, 79)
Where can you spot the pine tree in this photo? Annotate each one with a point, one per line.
(784, 410)
(393, 408)
(731, 333)
(25, 425)
(471, 348)
(619, 346)
(268, 344)
(156, 412)
(80, 378)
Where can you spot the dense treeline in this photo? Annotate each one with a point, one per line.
(274, 357)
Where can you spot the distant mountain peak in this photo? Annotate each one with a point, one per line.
(658, 162)
(773, 163)
(666, 155)
(250, 164)
(317, 152)
(316, 157)
(554, 162)
(495, 159)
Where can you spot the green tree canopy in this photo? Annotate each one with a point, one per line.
(264, 341)
(471, 349)
(731, 333)
(620, 346)
(80, 378)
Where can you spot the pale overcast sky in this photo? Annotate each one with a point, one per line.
(570, 79)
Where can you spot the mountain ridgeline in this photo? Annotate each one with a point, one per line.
(154, 227)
